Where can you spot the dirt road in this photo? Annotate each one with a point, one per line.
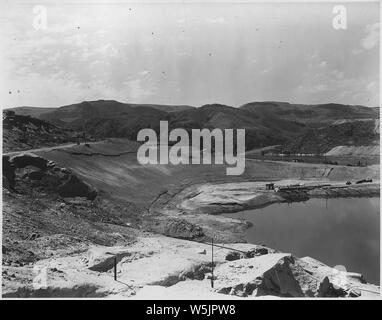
(63, 146)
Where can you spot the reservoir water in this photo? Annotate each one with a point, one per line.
(335, 231)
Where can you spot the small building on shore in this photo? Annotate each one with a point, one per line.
(270, 186)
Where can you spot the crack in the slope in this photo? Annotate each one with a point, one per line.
(156, 199)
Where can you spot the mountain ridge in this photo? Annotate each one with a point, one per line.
(267, 123)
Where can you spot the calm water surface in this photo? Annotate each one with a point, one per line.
(336, 232)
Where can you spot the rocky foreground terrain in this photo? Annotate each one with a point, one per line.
(153, 267)
(69, 212)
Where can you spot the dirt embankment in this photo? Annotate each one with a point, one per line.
(150, 194)
(55, 230)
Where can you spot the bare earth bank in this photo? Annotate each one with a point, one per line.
(70, 243)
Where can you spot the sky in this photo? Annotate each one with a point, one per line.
(187, 53)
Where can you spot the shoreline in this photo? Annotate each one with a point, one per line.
(331, 230)
(196, 212)
(218, 198)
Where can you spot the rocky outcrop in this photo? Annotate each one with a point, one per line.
(36, 175)
(29, 159)
(283, 275)
(39, 172)
(175, 227)
(265, 275)
(8, 173)
(327, 289)
(74, 187)
(258, 251)
(179, 228)
(177, 269)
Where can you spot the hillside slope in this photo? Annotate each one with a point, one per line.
(311, 114)
(35, 112)
(322, 140)
(25, 132)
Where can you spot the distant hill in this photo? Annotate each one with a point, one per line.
(311, 114)
(322, 140)
(31, 111)
(297, 127)
(93, 109)
(260, 131)
(167, 108)
(107, 118)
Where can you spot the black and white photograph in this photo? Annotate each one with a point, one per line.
(188, 150)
